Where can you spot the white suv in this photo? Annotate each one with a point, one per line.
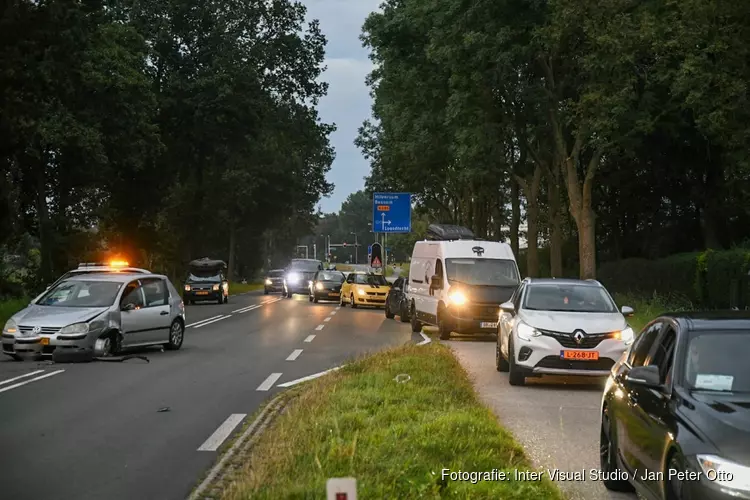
(560, 327)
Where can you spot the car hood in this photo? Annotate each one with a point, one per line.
(485, 294)
(51, 316)
(331, 285)
(725, 420)
(374, 289)
(568, 322)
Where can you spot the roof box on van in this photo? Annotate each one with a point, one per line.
(447, 232)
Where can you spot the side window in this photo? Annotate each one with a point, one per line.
(155, 291)
(399, 283)
(350, 278)
(133, 294)
(663, 354)
(642, 345)
(439, 268)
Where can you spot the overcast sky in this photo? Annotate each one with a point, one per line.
(348, 101)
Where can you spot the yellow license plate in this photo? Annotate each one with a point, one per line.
(333, 294)
(201, 293)
(45, 341)
(580, 355)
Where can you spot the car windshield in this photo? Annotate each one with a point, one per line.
(81, 294)
(304, 265)
(210, 276)
(370, 279)
(709, 368)
(483, 272)
(568, 298)
(329, 276)
(276, 274)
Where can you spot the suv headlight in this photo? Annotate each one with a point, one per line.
(318, 285)
(292, 277)
(725, 473)
(627, 335)
(75, 329)
(268, 282)
(10, 327)
(187, 288)
(215, 288)
(526, 332)
(457, 298)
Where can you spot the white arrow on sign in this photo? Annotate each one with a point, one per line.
(384, 222)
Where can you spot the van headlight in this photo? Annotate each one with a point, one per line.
(526, 332)
(627, 335)
(187, 288)
(75, 329)
(293, 277)
(457, 298)
(10, 327)
(268, 282)
(215, 288)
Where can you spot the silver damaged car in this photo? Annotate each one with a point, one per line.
(100, 314)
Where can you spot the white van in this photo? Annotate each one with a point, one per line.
(458, 285)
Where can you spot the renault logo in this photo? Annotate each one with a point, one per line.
(36, 330)
(578, 336)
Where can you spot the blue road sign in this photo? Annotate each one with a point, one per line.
(391, 212)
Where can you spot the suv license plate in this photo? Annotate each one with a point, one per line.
(580, 355)
(485, 324)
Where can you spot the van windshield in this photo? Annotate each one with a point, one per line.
(483, 272)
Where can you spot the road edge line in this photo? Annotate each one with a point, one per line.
(426, 340)
(271, 408)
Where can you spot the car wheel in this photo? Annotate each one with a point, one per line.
(388, 313)
(416, 325)
(444, 327)
(265, 291)
(107, 345)
(176, 335)
(221, 298)
(515, 375)
(501, 364)
(354, 304)
(342, 302)
(608, 459)
(316, 299)
(403, 313)
(226, 299)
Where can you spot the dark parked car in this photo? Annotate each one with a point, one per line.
(274, 281)
(676, 410)
(326, 285)
(396, 303)
(298, 276)
(206, 281)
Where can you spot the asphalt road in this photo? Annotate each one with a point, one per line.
(133, 429)
(556, 419)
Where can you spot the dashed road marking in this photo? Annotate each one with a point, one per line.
(309, 338)
(222, 433)
(333, 313)
(327, 319)
(268, 383)
(25, 375)
(320, 327)
(294, 355)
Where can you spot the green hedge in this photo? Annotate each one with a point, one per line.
(711, 279)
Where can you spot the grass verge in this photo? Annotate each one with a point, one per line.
(395, 438)
(648, 308)
(10, 307)
(235, 288)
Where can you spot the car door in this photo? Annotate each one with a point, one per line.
(507, 320)
(156, 311)
(134, 324)
(347, 286)
(395, 295)
(653, 408)
(631, 428)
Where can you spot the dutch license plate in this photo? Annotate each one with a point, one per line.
(486, 324)
(201, 293)
(580, 355)
(45, 341)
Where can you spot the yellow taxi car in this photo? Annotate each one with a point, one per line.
(364, 289)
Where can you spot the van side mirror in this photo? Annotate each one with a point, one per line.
(647, 376)
(627, 311)
(436, 282)
(508, 307)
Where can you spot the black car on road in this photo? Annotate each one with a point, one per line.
(396, 303)
(326, 285)
(298, 276)
(206, 281)
(676, 410)
(274, 281)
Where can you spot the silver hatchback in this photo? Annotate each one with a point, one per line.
(99, 314)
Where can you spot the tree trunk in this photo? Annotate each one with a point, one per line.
(515, 214)
(586, 223)
(232, 251)
(531, 192)
(555, 220)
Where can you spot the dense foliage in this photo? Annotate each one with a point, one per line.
(619, 126)
(159, 131)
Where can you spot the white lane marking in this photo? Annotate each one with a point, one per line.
(320, 327)
(3, 382)
(272, 301)
(426, 340)
(222, 433)
(339, 307)
(203, 321)
(294, 355)
(327, 319)
(214, 321)
(309, 377)
(249, 308)
(309, 338)
(268, 383)
(30, 380)
(333, 312)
